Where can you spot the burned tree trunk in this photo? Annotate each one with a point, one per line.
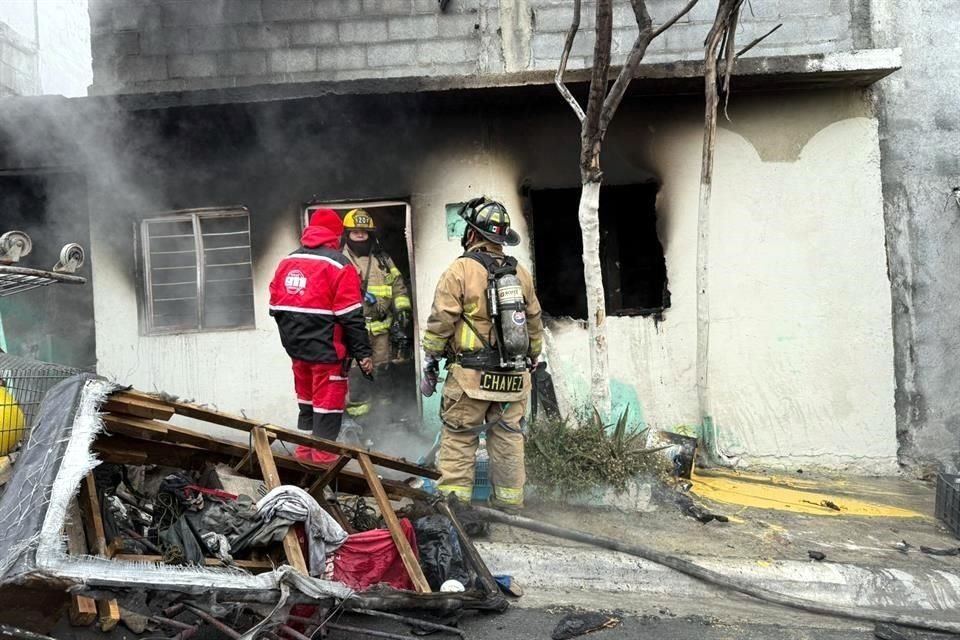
(718, 51)
(602, 105)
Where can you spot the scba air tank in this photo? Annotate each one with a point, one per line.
(511, 310)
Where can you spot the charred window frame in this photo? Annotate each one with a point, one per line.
(197, 271)
(631, 254)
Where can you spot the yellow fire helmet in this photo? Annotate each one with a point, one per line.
(358, 220)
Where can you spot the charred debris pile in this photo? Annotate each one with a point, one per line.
(129, 508)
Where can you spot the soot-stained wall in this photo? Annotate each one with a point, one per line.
(797, 236)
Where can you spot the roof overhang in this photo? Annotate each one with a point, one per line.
(858, 68)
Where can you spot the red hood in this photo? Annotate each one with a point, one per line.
(324, 230)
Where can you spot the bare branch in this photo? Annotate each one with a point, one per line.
(729, 54)
(758, 40)
(639, 50)
(599, 79)
(672, 21)
(567, 47)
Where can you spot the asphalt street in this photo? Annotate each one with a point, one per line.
(539, 624)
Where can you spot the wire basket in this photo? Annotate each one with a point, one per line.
(948, 501)
(23, 384)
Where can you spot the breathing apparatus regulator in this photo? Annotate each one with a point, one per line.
(505, 300)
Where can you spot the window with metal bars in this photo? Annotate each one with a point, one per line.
(198, 271)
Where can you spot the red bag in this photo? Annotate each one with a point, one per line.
(371, 557)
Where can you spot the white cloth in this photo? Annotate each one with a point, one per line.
(293, 503)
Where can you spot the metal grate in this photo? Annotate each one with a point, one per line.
(23, 384)
(198, 270)
(19, 279)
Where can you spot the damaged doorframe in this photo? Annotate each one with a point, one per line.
(317, 203)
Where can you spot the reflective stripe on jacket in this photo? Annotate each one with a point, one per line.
(386, 283)
(315, 298)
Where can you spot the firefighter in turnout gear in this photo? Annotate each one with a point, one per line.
(315, 299)
(386, 303)
(486, 322)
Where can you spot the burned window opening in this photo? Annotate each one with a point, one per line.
(198, 271)
(634, 267)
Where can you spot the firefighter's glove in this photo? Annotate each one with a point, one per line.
(369, 298)
(431, 375)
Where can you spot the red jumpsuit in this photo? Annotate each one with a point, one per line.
(315, 299)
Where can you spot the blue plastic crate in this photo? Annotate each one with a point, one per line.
(481, 481)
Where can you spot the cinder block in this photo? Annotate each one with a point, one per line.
(287, 10)
(448, 52)
(136, 17)
(197, 65)
(241, 12)
(165, 41)
(293, 60)
(315, 33)
(337, 9)
(130, 69)
(238, 63)
(803, 7)
(413, 27)
(180, 13)
(336, 58)
(686, 37)
(459, 25)
(120, 43)
(392, 55)
(213, 38)
(558, 19)
(389, 7)
(827, 29)
(272, 35)
(550, 45)
(363, 31)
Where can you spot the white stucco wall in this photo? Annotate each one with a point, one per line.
(63, 30)
(801, 359)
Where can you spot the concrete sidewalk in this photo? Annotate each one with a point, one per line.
(767, 541)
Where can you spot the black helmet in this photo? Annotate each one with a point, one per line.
(491, 220)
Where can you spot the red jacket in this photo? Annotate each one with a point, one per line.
(315, 297)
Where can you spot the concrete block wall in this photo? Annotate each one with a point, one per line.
(18, 64)
(157, 45)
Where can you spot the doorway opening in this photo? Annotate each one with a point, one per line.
(391, 417)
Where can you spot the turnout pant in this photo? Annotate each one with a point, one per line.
(456, 459)
(362, 393)
(321, 396)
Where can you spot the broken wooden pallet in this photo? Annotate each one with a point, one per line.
(138, 417)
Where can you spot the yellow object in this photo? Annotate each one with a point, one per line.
(730, 488)
(358, 219)
(12, 422)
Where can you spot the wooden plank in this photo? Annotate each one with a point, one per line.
(294, 437)
(271, 478)
(121, 403)
(73, 530)
(6, 470)
(133, 426)
(83, 611)
(386, 510)
(316, 489)
(123, 449)
(256, 566)
(92, 516)
(109, 612)
(333, 508)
